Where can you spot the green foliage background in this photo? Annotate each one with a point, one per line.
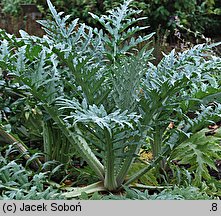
(203, 16)
(199, 15)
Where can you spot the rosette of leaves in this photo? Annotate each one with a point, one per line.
(113, 137)
(104, 97)
(180, 96)
(76, 64)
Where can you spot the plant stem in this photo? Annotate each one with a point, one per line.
(127, 163)
(110, 180)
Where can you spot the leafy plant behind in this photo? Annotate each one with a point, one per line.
(173, 90)
(200, 152)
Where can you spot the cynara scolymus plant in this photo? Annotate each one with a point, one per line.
(180, 96)
(103, 97)
(74, 73)
(174, 88)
